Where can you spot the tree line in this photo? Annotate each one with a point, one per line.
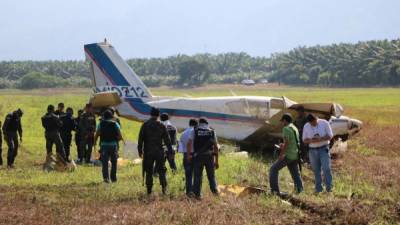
(368, 63)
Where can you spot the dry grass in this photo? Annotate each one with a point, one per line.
(367, 179)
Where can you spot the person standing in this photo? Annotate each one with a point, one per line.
(152, 136)
(78, 137)
(52, 124)
(1, 147)
(87, 127)
(288, 156)
(11, 129)
(182, 148)
(60, 109)
(317, 133)
(68, 125)
(299, 122)
(172, 136)
(205, 154)
(110, 134)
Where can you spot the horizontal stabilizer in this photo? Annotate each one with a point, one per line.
(105, 99)
(328, 109)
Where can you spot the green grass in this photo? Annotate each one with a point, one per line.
(374, 106)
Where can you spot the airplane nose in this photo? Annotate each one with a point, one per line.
(355, 125)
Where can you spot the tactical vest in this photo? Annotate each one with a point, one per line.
(51, 122)
(108, 131)
(13, 123)
(203, 140)
(172, 134)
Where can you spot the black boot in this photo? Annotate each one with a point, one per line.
(164, 190)
(149, 190)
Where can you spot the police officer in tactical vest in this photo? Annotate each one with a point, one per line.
(68, 125)
(78, 136)
(87, 127)
(109, 132)
(204, 154)
(153, 134)
(52, 124)
(11, 129)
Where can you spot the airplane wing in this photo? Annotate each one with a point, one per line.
(105, 99)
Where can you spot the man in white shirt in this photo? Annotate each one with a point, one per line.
(182, 148)
(317, 133)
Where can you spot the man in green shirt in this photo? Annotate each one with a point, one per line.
(109, 132)
(288, 156)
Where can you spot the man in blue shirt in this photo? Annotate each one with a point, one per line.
(182, 148)
(109, 132)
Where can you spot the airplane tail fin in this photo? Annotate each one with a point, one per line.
(111, 73)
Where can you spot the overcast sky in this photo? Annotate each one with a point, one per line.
(55, 29)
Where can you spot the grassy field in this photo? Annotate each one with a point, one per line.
(366, 177)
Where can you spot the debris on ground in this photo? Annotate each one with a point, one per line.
(239, 191)
(242, 154)
(56, 163)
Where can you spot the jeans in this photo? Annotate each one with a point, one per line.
(292, 165)
(199, 162)
(320, 158)
(109, 153)
(188, 166)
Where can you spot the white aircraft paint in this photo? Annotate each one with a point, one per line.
(233, 118)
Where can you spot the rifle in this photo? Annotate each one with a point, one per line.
(143, 170)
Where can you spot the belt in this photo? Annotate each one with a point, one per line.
(316, 148)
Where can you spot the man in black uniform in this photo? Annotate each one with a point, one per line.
(1, 148)
(52, 124)
(11, 126)
(60, 109)
(78, 137)
(152, 135)
(205, 154)
(87, 127)
(68, 125)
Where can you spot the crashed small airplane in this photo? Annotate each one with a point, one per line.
(251, 121)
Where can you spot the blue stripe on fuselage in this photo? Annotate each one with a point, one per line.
(106, 64)
(138, 105)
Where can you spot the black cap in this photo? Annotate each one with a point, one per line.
(154, 112)
(19, 111)
(311, 117)
(69, 109)
(107, 115)
(164, 117)
(193, 122)
(50, 108)
(287, 117)
(203, 120)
